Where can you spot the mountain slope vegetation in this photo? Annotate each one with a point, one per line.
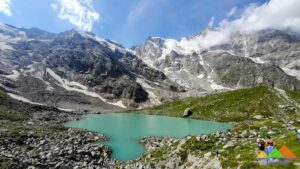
(253, 111)
(234, 106)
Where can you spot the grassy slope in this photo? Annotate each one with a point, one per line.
(239, 106)
(294, 96)
(8, 113)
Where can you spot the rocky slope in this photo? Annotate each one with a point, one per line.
(33, 136)
(77, 71)
(268, 57)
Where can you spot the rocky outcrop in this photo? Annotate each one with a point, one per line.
(234, 71)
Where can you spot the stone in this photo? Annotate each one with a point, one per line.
(271, 132)
(244, 134)
(258, 117)
(229, 145)
(187, 112)
(207, 154)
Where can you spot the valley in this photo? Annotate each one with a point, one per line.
(49, 79)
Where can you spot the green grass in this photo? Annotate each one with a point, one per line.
(2, 94)
(14, 129)
(10, 114)
(239, 106)
(234, 106)
(4, 162)
(247, 153)
(295, 95)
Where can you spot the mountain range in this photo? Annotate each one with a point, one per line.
(268, 57)
(79, 71)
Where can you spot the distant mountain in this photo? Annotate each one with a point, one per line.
(268, 57)
(77, 71)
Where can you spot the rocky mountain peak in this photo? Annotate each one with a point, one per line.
(99, 73)
(188, 62)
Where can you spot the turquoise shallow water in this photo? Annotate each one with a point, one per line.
(125, 130)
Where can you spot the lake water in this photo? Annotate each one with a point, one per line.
(126, 129)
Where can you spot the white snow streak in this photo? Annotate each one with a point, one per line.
(82, 89)
(13, 76)
(292, 72)
(23, 99)
(152, 97)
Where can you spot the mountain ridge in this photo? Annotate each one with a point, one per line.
(99, 75)
(188, 57)
(80, 64)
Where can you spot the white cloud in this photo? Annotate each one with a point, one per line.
(275, 14)
(80, 13)
(5, 7)
(232, 12)
(211, 22)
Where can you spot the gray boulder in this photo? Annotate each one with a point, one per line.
(187, 112)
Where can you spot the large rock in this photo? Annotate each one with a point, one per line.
(187, 112)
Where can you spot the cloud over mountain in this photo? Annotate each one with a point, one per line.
(79, 13)
(275, 14)
(5, 7)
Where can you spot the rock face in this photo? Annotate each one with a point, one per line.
(268, 57)
(76, 70)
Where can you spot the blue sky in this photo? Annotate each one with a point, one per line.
(128, 22)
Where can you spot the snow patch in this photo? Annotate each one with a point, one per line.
(78, 85)
(154, 44)
(37, 71)
(112, 46)
(13, 76)
(143, 83)
(200, 76)
(215, 86)
(258, 60)
(149, 62)
(292, 72)
(23, 99)
(152, 97)
(66, 110)
(82, 89)
(5, 46)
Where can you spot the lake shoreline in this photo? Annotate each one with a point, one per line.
(119, 127)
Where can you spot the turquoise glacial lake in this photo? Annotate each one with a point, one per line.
(126, 129)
